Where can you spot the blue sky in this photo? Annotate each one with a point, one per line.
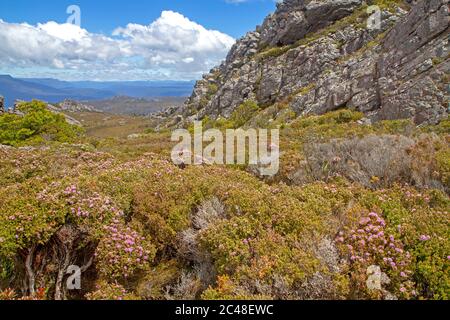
(122, 40)
(104, 16)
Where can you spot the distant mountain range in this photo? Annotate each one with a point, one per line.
(134, 106)
(53, 90)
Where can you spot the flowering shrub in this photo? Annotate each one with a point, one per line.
(90, 209)
(110, 291)
(25, 219)
(51, 163)
(269, 242)
(420, 219)
(369, 245)
(122, 252)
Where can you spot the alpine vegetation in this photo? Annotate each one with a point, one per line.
(313, 163)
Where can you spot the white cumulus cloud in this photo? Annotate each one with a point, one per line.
(170, 47)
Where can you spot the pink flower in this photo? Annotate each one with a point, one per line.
(424, 238)
(403, 275)
(403, 290)
(364, 221)
(373, 215)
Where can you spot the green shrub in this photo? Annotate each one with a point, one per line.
(38, 125)
(244, 113)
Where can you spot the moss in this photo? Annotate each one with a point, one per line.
(437, 61)
(305, 90)
(391, 5)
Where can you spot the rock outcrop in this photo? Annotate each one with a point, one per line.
(319, 56)
(2, 104)
(69, 119)
(75, 106)
(294, 19)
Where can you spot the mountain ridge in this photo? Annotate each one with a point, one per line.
(54, 91)
(319, 56)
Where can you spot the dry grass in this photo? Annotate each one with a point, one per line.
(374, 161)
(104, 125)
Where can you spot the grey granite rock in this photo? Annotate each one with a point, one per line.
(2, 104)
(397, 71)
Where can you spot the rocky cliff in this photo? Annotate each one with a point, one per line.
(2, 104)
(318, 56)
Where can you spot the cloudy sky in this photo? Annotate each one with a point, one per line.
(122, 39)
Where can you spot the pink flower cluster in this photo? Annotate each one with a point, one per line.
(93, 205)
(416, 196)
(71, 190)
(370, 245)
(122, 251)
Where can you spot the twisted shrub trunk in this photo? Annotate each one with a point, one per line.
(46, 266)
